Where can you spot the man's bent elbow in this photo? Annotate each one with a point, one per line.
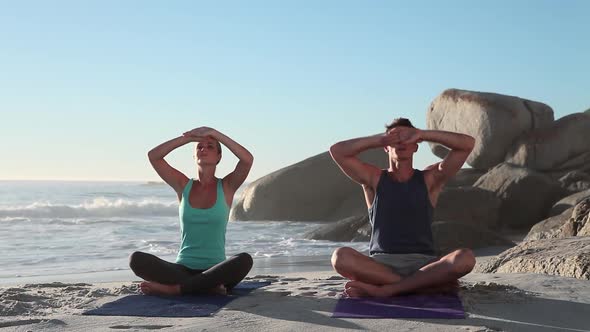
(336, 150)
(470, 143)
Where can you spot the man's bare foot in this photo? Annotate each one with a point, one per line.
(154, 288)
(450, 287)
(354, 292)
(351, 291)
(360, 289)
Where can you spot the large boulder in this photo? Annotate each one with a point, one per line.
(349, 229)
(495, 121)
(567, 257)
(470, 205)
(314, 189)
(568, 202)
(526, 195)
(563, 145)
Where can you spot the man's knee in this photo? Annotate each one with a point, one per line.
(341, 258)
(463, 261)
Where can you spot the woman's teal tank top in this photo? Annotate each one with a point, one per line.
(202, 242)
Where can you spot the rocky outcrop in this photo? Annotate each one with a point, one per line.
(567, 257)
(526, 196)
(495, 121)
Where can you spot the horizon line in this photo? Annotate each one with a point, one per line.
(78, 180)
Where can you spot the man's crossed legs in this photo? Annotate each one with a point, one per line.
(371, 278)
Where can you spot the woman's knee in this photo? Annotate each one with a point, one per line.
(245, 260)
(136, 260)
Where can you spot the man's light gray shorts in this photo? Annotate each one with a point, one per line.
(404, 264)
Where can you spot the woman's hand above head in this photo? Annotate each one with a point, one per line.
(198, 134)
(169, 174)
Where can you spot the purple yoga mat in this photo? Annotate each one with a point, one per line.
(447, 306)
(173, 306)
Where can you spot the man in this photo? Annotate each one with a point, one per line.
(401, 201)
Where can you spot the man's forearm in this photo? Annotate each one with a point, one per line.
(454, 141)
(354, 146)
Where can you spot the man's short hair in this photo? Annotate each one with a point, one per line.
(399, 122)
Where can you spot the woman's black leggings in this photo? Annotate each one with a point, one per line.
(228, 273)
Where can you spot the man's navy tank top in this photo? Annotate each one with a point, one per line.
(400, 216)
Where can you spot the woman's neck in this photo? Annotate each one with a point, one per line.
(206, 174)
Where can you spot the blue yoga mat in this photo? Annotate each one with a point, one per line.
(173, 306)
(447, 306)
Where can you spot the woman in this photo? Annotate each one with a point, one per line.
(205, 201)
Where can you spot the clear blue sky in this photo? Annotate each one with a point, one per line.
(88, 87)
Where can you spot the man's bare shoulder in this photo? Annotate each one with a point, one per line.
(432, 176)
(433, 167)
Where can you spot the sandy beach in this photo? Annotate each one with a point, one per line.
(304, 300)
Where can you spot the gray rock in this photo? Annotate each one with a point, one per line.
(563, 145)
(575, 181)
(568, 257)
(314, 189)
(568, 202)
(471, 205)
(526, 196)
(494, 120)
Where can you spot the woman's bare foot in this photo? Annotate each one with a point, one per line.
(154, 288)
(220, 289)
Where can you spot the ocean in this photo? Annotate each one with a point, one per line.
(56, 228)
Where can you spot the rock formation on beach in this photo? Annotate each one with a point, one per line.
(529, 173)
